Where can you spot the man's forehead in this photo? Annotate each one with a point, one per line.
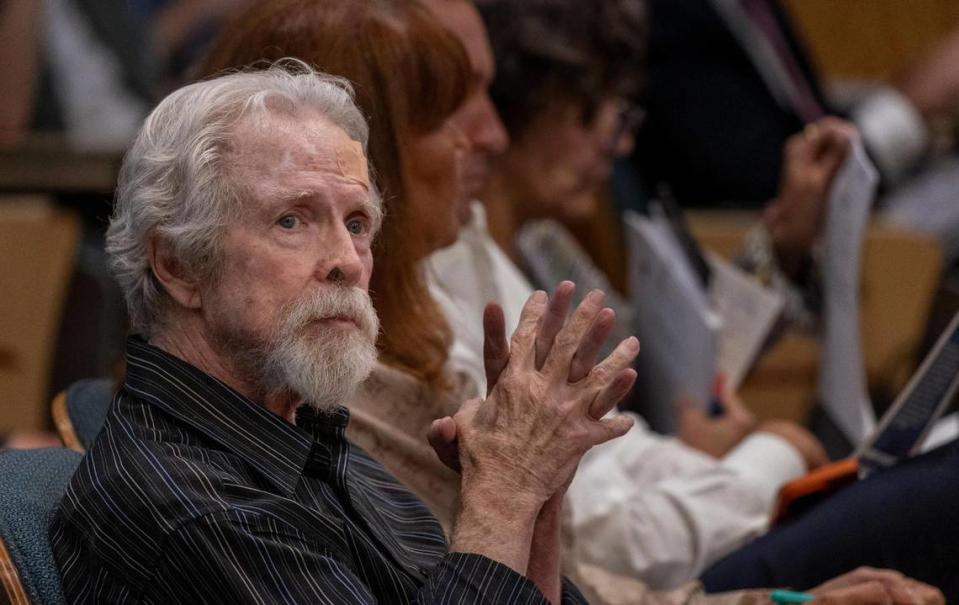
(271, 144)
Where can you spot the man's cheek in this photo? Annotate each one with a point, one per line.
(367, 270)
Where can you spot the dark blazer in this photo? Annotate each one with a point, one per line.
(713, 130)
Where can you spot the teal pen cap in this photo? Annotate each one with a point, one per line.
(788, 596)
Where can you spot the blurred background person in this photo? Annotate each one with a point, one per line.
(566, 82)
(91, 69)
(731, 81)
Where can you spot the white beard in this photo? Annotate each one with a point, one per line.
(325, 368)
(323, 364)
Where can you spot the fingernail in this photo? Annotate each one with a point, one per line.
(539, 296)
(633, 343)
(596, 296)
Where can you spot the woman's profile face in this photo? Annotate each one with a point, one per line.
(433, 168)
(560, 162)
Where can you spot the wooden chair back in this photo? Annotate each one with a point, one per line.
(37, 251)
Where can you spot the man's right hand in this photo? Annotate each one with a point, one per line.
(520, 446)
(543, 415)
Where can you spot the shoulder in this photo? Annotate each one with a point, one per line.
(146, 480)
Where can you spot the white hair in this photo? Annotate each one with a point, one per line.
(172, 184)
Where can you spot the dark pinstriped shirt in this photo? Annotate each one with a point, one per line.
(194, 494)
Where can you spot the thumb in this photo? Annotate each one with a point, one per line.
(443, 439)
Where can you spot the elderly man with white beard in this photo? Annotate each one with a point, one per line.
(241, 238)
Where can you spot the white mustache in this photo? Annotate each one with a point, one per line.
(335, 302)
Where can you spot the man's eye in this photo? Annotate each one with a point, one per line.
(356, 226)
(288, 222)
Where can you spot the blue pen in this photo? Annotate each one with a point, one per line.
(788, 596)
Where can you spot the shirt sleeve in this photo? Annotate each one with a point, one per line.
(893, 131)
(234, 558)
(770, 461)
(649, 507)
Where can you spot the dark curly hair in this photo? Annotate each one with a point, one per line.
(573, 50)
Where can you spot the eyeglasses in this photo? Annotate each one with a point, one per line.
(629, 118)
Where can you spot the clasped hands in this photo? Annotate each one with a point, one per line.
(547, 398)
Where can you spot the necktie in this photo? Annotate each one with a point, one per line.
(762, 18)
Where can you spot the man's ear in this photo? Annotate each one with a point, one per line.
(172, 275)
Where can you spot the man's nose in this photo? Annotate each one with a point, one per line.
(488, 132)
(342, 264)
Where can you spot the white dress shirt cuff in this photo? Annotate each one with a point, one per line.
(769, 460)
(893, 131)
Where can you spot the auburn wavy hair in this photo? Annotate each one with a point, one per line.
(410, 74)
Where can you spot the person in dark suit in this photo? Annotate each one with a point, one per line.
(728, 82)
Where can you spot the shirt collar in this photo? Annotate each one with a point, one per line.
(277, 449)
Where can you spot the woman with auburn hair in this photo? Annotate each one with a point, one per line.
(409, 76)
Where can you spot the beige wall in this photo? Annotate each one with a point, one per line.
(871, 38)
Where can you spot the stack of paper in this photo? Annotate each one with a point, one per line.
(748, 313)
(678, 330)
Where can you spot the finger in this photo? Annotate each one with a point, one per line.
(553, 319)
(610, 428)
(869, 574)
(907, 590)
(798, 151)
(926, 594)
(929, 595)
(621, 358)
(833, 147)
(736, 409)
(442, 438)
(866, 593)
(570, 336)
(495, 346)
(609, 397)
(832, 124)
(522, 342)
(585, 357)
(856, 576)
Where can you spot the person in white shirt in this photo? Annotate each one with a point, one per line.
(648, 506)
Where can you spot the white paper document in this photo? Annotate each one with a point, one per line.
(748, 313)
(842, 376)
(678, 331)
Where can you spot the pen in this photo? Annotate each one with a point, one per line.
(788, 596)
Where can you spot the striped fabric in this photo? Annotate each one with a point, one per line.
(194, 494)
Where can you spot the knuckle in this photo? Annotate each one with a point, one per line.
(565, 408)
(600, 374)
